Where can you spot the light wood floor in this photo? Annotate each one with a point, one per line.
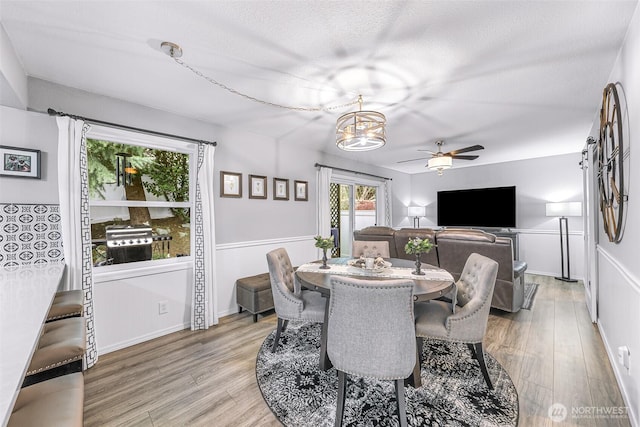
(553, 353)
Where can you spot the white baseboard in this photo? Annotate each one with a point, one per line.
(548, 273)
(618, 374)
(142, 338)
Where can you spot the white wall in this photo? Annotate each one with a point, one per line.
(13, 81)
(537, 181)
(618, 264)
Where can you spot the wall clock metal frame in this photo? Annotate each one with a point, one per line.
(611, 164)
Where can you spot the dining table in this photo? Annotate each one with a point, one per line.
(435, 282)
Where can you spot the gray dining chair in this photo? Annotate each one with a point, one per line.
(468, 324)
(370, 249)
(370, 333)
(289, 300)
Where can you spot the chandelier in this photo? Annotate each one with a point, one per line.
(361, 130)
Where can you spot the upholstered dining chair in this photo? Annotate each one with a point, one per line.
(436, 319)
(370, 249)
(289, 300)
(370, 333)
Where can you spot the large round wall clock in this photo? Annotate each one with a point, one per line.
(611, 156)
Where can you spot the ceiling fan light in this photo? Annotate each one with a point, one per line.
(440, 163)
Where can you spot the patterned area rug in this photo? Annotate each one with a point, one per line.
(453, 393)
(530, 290)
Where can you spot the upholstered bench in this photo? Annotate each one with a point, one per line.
(55, 402)
(59, 351)
(66, 304)
(253, 293)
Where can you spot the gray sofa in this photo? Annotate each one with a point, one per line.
(453, 247)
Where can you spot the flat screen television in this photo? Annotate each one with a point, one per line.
(478, 207)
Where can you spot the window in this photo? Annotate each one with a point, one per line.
(140, 190)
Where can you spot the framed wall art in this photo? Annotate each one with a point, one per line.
(302, 190)
(257, 187)
(230, 184)
(280, 189)
(20, 162)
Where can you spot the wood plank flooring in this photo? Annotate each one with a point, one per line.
(553, 353)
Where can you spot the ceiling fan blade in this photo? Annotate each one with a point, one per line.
(465, 150)
(413, 160)
(465, 157)
(428, 151)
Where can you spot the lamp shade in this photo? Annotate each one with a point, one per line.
(439, 163)
(417, 211)
(564, 209)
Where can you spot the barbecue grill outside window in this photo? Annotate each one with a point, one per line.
(145, 215)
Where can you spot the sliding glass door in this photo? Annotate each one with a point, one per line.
(353, 207)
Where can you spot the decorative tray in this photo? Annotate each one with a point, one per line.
(379, 265)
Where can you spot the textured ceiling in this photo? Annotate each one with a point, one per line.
(522, 78)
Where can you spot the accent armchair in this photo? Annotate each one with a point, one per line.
(436, 319)
(289, 300)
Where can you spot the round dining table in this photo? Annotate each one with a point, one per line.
(435, 283)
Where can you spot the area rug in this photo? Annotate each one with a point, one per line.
(530, 290)
(453, 391)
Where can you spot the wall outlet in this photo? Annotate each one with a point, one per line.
(623, 356)
(163, 307)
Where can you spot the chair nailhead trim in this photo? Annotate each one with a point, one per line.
(64, 362)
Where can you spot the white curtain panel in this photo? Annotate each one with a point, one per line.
(324, 207)
(387, 203)
(203, 311)
(73, 189)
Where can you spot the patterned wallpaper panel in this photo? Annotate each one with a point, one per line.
(30, 234)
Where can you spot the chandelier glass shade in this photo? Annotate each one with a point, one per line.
(361, 130)
(440, 163)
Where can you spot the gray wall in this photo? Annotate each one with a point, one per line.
(537, 181)
(37, 132)
(618, 278)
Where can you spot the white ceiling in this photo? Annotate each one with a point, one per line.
(522, 78)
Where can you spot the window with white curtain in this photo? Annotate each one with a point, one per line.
(140, 181)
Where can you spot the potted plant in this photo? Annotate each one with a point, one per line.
(417, 247)
(324, 243)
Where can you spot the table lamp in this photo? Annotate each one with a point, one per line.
(416, 212)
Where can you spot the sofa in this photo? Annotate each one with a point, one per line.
(453, 247)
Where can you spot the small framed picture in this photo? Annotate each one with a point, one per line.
(257, 187)
(280, 189)
(302, 190)
(20, 162)
(230, 184)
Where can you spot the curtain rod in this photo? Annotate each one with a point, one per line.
(53, 112)
(318, 165)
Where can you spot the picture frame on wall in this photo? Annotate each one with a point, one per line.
(302, 190)
(257, 187)
(230, 184)
(280, 189)
(20, 162)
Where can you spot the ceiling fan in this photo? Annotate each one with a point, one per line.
(440, 161)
